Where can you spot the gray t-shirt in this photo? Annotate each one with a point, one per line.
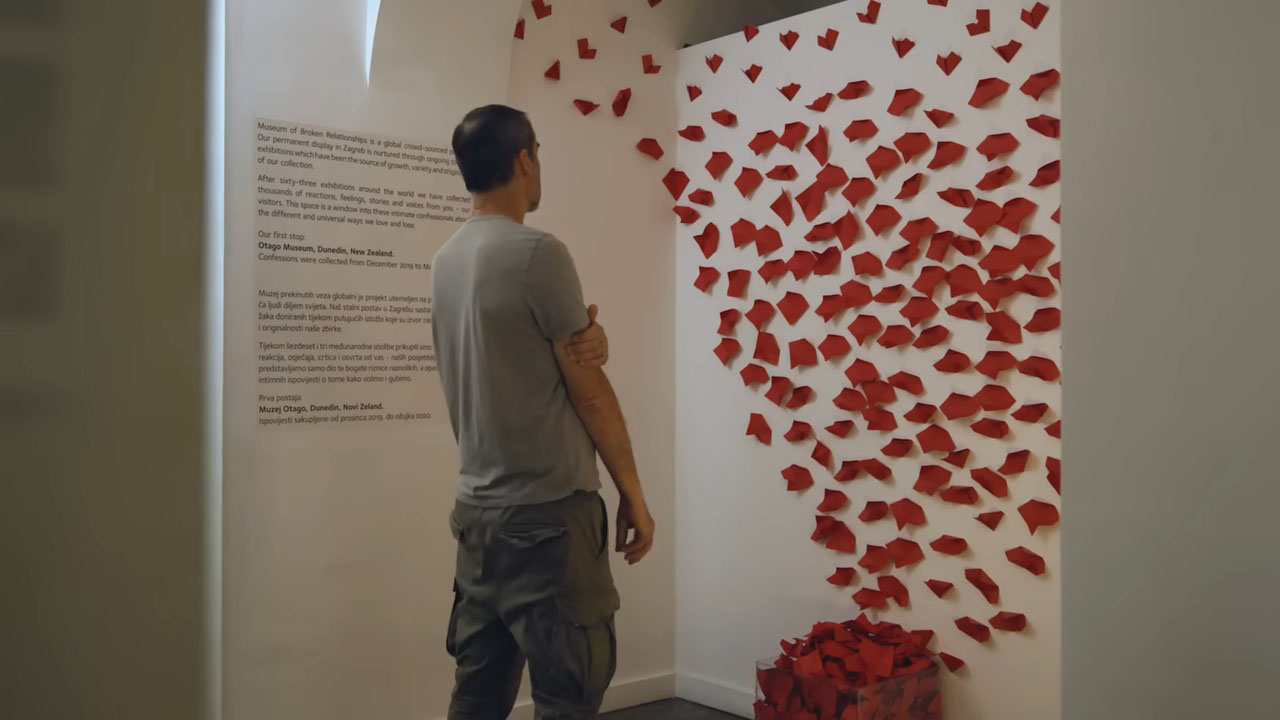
(502, 294)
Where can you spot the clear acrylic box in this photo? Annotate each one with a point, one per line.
(781, 694)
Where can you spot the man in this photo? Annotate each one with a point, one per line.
(533, 579)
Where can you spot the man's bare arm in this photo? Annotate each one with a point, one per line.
(596, 403)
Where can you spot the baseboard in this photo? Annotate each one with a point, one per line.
(621, 695)
(715, 694)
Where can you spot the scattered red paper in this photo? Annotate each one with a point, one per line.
(903, 551)
(896, 335)
(948, 63)
(585, 51)
(883, 218)
(979, 579)
(903, 46)
(727, 350)
(758, 427)
(948, 153)
(912, 144)
(939, 117)
(879, 392)
(952, 662)
(892, 588)
(1016, 212)
(792, 135)
(827, 41)
(802, 353)
(693, 133)
(784, 208)
(998, 144)
(918, 309)
(991, 519)
(995, 362)
(882, 161)
(868, 599)
(959, 458)
(991, 481)
(966, 310)
(982, 24)
(752, 72)
(541, 9)
(748, 180)
(1026, 559)
(873, 12)
(718, 164)
(1046, 125)
(904, 100)
(1008, 50)
(1009, 622)
(553, 72)
(873, 511)
(753, 374)
(620, 24)
(586, 107)
(821, 453)
(818, 146)
(1040, 367)
(768, 240)
(994, 397)
(646, 62)
(650, 147)
(675, 182)
(520, 29)
(694, 91)
(1040, 83)
(865, 326)
(799, 430)
(750, 31)
(725, 118)
(821, 103)
(1048, 174)
(840, 428)
(1035, 15)
(1054, 429)
(1054, 467)
(714, 62)
(921, 413)
(958, 197)
(878, 418)
(789, 91)
(953, 362)
(702, 197)
(939, 587)
(798, 478)
(959, 495)
(988, 89)
(843, 577)
(729, 321)
(1038, 514)
(935, 439)
(959, 405)
(983, 216)
(949, 545)
(1003, 328)
(898, 447)
(874, 559)
(850, 400)
(997, 178)
(706, 277)
(767, 349)
(1015, 462)
(992, 428)
(789, 38)
(906, 381)
(1031, 412)
(974, 629)
(931, 479)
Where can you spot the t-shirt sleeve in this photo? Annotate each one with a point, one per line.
(554, 292)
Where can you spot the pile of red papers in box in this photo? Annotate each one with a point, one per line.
(856, 670)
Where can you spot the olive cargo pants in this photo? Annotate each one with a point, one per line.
(533, 583)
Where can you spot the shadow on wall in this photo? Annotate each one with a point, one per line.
(716, 18)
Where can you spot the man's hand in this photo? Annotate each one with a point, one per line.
(635, 530)
(590, 346)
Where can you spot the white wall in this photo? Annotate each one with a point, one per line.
(338, 559)
(747, 573)
(606, 201)
(1170, 576)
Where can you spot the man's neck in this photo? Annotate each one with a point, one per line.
(492, 205)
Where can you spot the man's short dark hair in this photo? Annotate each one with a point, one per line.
(486, 144)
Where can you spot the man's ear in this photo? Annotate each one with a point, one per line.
(524, 164)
